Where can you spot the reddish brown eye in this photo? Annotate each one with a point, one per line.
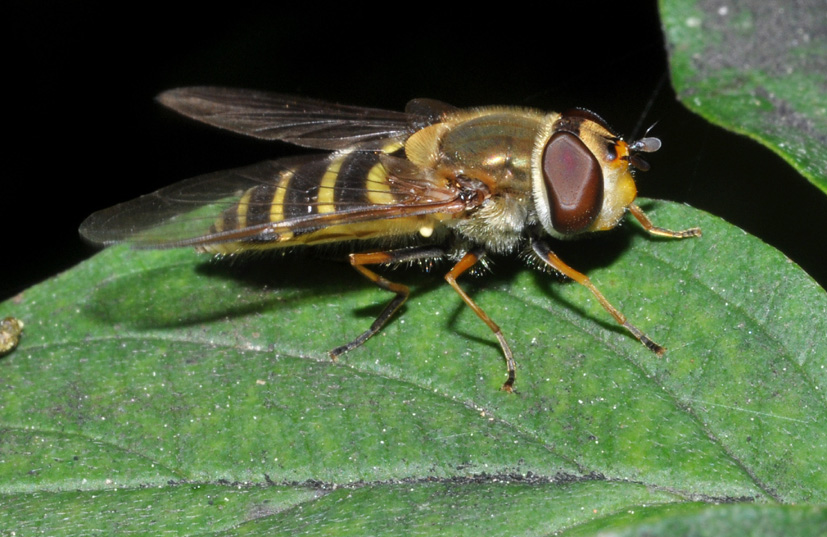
(574, 182)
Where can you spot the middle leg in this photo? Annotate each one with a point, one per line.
(469, 260)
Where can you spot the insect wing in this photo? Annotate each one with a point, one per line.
(424, 112)
(177, 213)
(275, 197)
(297, 120)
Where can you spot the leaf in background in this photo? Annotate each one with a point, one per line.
(156, 391)
(758, 68)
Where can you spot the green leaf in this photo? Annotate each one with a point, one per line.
(158, 391)
(757, 68)
(702, 520)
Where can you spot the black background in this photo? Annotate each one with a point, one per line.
(84, 132)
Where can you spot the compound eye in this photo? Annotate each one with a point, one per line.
(574, 182)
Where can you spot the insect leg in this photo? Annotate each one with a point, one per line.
(652, 229)
(544, 252)
(468, 261)
(358, 261)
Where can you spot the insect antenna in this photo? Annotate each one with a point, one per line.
(648, 108)
(647, 144)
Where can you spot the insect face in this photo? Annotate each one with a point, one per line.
(581, 175)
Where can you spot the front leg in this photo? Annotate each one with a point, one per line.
(546, 255)
(652, 229)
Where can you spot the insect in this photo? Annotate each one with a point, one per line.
(432, 182)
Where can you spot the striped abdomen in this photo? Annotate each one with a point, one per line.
(349, 196)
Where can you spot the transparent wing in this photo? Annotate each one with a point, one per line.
(297, 120)
(423, 112)
(182, 214)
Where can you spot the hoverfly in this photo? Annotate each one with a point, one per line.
(434, 182)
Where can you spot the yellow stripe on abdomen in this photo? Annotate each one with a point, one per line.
(393, 227)
(377, 186)
(241, 209)
(277, 205)
(392, 147)
(326, 190)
